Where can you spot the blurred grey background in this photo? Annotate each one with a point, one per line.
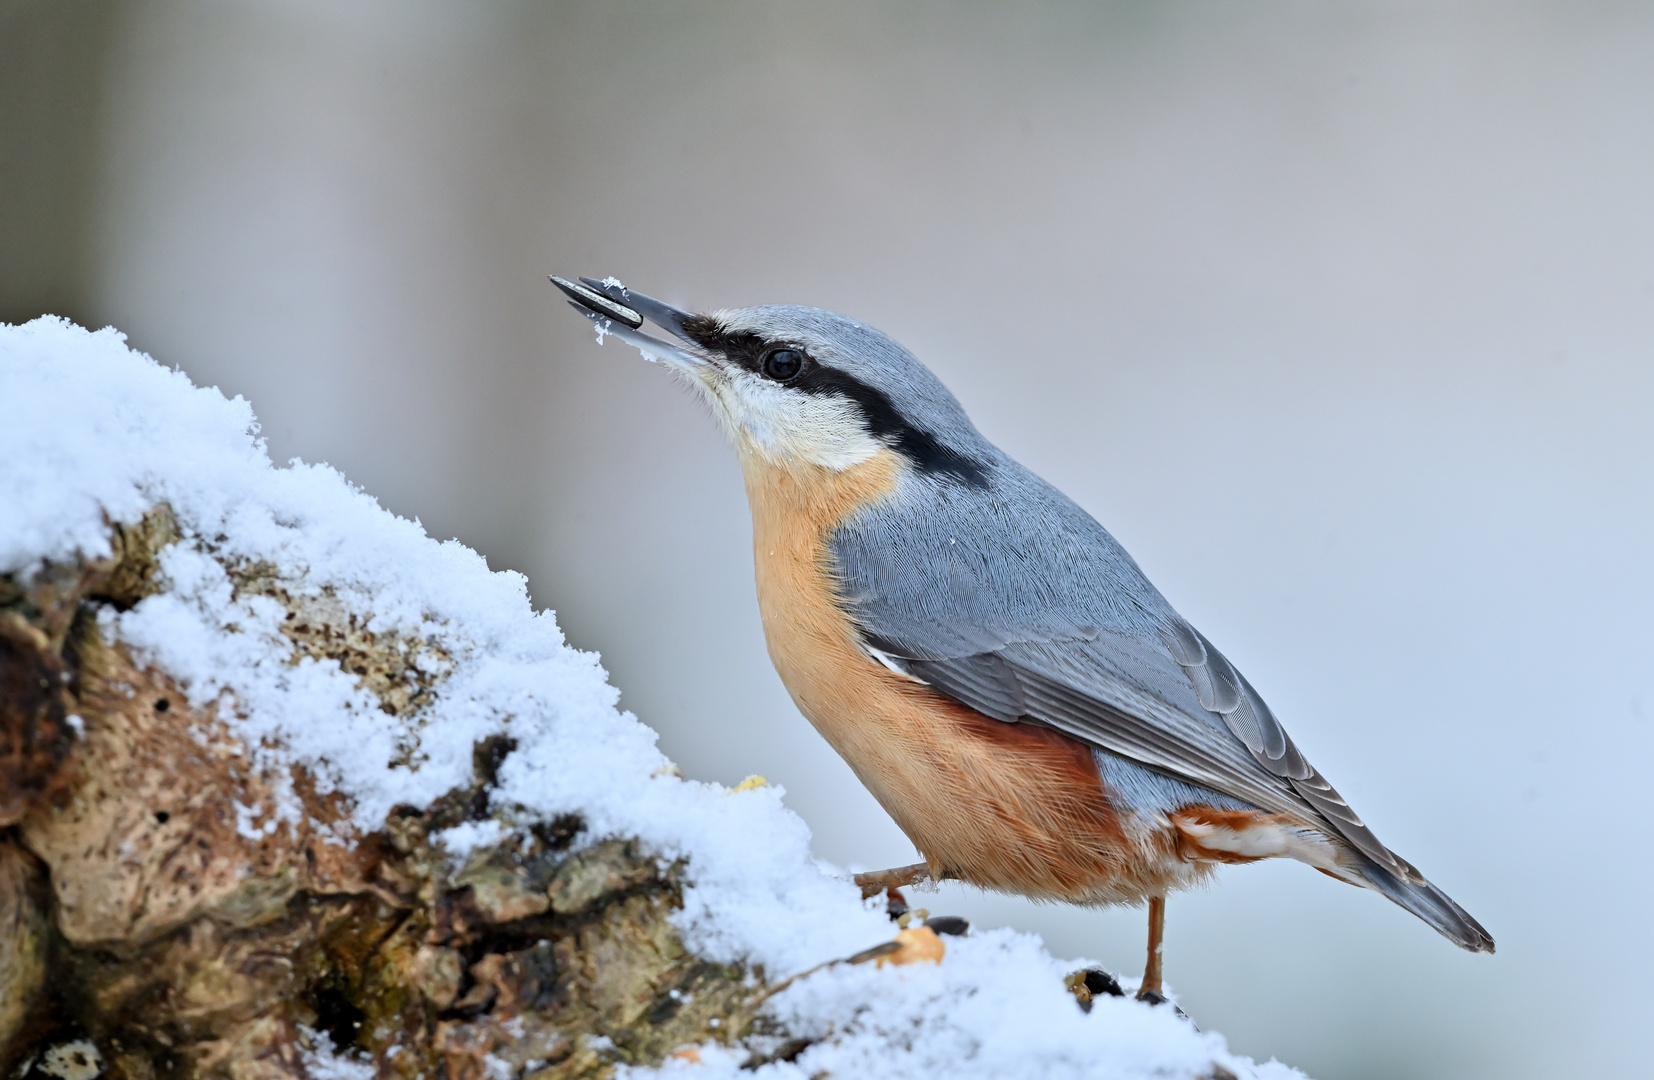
(1339, 316)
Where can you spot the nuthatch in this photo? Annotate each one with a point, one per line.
(991, 663)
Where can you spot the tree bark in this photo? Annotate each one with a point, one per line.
(147, 932)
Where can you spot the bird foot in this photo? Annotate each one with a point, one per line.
(883, 881)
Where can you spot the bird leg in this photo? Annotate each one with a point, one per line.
(878, 881)
(1150, 990)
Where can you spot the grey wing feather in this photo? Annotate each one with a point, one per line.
(1225, 691)
(1109, 713)
(987, 683)
(1112, 693)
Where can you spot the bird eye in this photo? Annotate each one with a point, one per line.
(782, 365)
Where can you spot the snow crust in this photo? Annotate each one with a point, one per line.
(96, 433)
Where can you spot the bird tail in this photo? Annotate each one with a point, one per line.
(1430, 904)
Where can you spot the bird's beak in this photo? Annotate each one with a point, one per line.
(617, 310)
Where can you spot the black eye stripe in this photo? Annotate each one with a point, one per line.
(747, 350)
(884, 421)
(889, 426)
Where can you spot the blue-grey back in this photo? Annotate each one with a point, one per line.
(955, 569)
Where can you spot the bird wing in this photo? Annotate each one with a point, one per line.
(1103, 691)
(1039, 615)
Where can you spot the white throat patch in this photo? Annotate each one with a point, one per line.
(782, 425)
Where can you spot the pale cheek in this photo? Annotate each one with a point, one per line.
(786, 426)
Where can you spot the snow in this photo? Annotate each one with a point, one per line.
(322, 1060)
(75, 1060)
(994, 1007)
(97, 433)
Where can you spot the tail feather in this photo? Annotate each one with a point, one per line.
(1430, 904)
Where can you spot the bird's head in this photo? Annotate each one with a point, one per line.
(798, 385)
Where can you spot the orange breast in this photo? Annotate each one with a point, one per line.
(1014, 807)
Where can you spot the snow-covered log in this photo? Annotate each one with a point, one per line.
(289, 789)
